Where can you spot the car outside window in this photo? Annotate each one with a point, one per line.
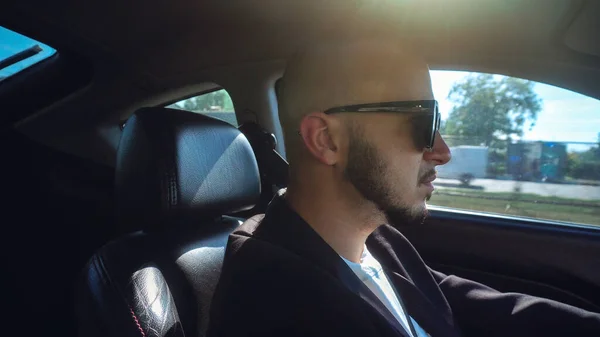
(215, 104)
(519, 148)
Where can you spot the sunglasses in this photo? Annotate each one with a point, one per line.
(425, 117)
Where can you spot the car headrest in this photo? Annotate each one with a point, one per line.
(179, 167)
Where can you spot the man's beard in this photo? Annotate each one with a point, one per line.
(367, 172)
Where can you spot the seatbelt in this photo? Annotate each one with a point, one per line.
(272, 166)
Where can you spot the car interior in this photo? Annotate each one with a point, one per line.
(118, 208)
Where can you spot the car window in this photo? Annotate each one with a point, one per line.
(18, 52)
(215, 104)
(519, 148)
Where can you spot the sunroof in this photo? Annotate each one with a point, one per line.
(18, 52)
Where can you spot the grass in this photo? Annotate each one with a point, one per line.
(521, 204)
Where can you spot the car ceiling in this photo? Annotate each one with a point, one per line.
(151, 48)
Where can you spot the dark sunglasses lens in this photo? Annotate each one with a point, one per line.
(436, 127)
(423, 125)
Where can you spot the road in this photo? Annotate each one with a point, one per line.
(583, 192)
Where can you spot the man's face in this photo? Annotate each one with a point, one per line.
(387, 169)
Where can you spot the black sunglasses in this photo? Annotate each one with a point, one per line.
(425, 117)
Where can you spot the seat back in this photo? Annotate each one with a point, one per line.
(177, 174)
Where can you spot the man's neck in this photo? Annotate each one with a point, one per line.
(344, 225)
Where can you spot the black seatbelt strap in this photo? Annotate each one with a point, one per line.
(272, 166)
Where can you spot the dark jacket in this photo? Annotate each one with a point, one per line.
(280, 278)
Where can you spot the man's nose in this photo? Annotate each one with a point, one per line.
(440, 154)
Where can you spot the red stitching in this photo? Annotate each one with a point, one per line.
(137, 322)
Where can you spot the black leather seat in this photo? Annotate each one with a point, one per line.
(177, 174)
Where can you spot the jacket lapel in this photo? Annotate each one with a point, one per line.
(420, 308)
(284, 227)
(354, 284)
(429, 315)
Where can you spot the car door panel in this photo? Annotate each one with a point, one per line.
(552, 260)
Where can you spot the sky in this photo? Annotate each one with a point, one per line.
(12, 43)
(566, 116)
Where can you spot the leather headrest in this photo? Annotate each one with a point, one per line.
(179, 167)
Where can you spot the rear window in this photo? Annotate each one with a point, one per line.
(18, 52)
(216, 104)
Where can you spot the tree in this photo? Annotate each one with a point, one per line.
(489, 108)
(586, 164)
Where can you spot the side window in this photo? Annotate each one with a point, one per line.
(18, 52)
(215, 104)
(519, 148)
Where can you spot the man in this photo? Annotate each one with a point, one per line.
(328, 259)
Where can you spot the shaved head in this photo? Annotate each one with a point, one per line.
(355, 72)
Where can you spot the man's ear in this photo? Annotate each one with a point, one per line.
(318, 132)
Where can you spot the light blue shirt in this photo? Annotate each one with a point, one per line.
(371, 273)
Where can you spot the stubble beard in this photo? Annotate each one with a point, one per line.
(368, 172)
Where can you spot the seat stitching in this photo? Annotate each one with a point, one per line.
(137, 322)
